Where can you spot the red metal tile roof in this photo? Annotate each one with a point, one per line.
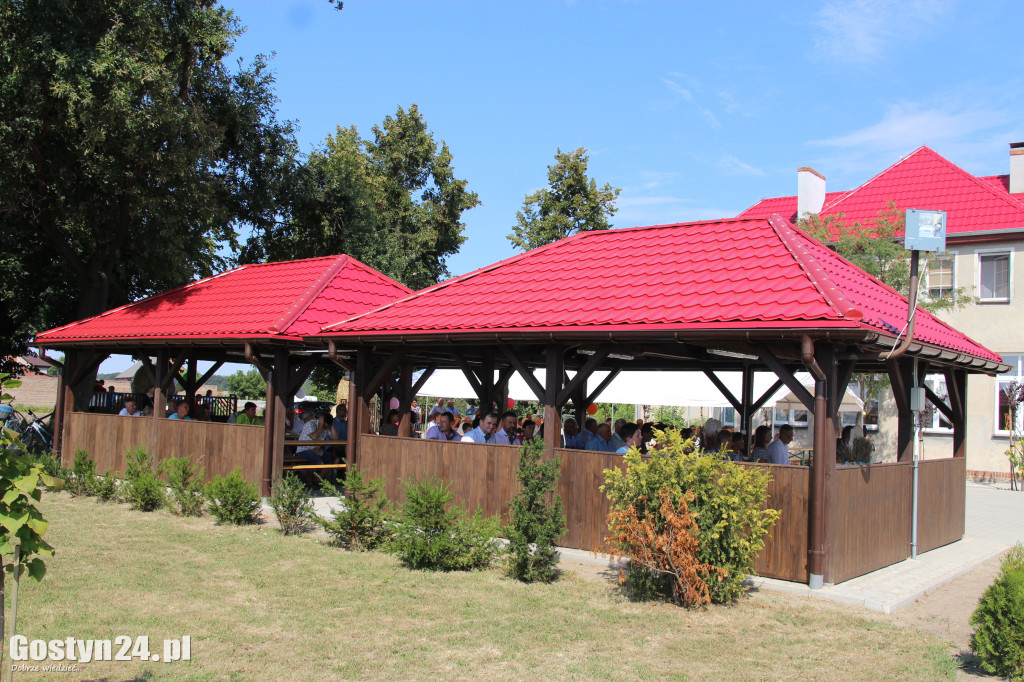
(925, 180)
(286, 300)
(724, 274)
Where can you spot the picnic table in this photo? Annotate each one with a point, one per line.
(293, 463)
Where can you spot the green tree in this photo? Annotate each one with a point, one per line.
(537, 518)
(129, 152)
(571, 203)
(247, 384)
(392, 201)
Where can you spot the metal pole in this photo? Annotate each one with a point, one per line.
(917, 459)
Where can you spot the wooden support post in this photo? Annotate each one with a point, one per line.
(747, 405)
(405, 400)
(826, 357)
(553, 364)
(822, 469)
(190, 383)
(901, 377)
(956, 388)
(280, 379)
(270, 436)
(160, 372)
(66, 398)
(359, 411)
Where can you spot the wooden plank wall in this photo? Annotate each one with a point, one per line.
(480, 475)
(586, 507)
(873, 518)
(785, 548)
(941, 502)
(217, 447)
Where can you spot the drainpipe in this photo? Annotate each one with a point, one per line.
(816, 560)
(911, 314)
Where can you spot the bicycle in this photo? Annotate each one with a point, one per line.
(33, 435)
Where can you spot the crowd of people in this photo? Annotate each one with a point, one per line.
(445, 422)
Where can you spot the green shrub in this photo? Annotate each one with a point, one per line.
(432, 534)
(727, 506)
(186, 484)
(47, 463)
(536, 521)
(82, 478)
(105, 487)
(998, 639)
(291, 504)
(362, 521)
(232, 499)
(142, 490)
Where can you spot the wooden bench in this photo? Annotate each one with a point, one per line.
(308, 467)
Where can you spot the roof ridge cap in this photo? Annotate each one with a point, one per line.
(289, 316)
(825, 285)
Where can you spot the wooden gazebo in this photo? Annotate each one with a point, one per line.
(257, 314)
(729, 295)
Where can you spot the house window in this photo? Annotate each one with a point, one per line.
(941, 276)
(726, 415)
(797, 418)
(994, 276)
(849, 418)
(931, 418)
(871, 414)
(1005, 384)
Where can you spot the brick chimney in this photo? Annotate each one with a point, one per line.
(810, 191)
(1016, 167)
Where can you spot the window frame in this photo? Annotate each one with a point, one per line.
(938, 425)
(979, 254)
(936, 294)
(1017, 374)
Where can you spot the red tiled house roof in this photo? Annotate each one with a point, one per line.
(730, 274)
(926, 180)
(284, 300)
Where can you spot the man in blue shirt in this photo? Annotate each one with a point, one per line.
(573, 439)
(778, 450)
(630, 438)
(442, 430)
(602, 441)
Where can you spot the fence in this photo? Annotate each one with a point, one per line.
(217, 447)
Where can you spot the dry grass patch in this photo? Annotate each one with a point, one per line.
(262, 606)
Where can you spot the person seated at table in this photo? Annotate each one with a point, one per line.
(442, 430)
(709, 434)
(484, 433)
(778, 450)
(686, 434)
(451, 408)
(313, 427)
(844, 445)
(759, 448)
(467, 426)
(202, 413)
(248, 416)
(529, 430)
(130, 409)
(180, 411)
(389, 426)
(617, 440)
(646, 438)
(602, 441)
(574, 440)
(630, 438)
(739, 447)
(723, 444)
(506, 435)
(589, 430)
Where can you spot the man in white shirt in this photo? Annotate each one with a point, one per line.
(129, 409)
(778, 452)
(483, 433)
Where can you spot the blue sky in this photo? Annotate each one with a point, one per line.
(696, 110)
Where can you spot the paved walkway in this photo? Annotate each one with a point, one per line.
(993, 525)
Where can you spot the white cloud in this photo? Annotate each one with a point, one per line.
(733, 166)
(909, 125)
(687, 94)
(862, 30)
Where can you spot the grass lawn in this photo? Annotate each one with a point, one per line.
(262, 606)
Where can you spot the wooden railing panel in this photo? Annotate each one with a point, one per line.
(941, 503)
(217, 447)
(873, 517)
(586, 507)
(785, 548)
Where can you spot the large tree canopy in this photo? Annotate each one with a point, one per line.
(129, 151)
(392, 201)
(571, 203)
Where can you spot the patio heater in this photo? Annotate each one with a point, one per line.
(923, 231)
